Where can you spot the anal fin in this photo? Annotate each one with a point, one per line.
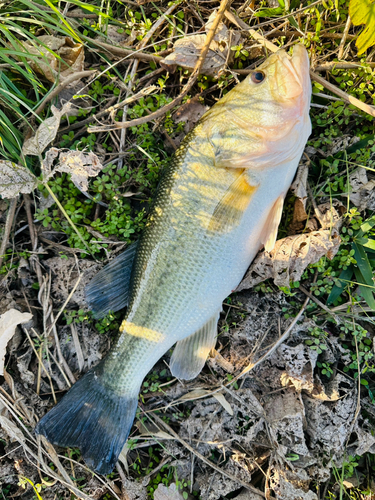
(269, 234)
(190, 354)
(109, 289)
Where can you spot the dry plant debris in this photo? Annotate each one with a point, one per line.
(15, 179)
(290, 257)
(186, 51)
(54, 57)
(46, 132)
(8, 324)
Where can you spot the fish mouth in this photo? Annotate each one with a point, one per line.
(292, 73)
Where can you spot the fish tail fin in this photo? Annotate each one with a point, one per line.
(92, 418)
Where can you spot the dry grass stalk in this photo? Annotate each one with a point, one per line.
(7, 228)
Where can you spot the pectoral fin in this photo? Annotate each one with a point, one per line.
(272, 224)
(109, 289)
(229, 211)
(190, 354)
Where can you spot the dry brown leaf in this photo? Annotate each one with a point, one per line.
(71, 56)
(363, 192)
(190, 113)
(187, 50)
(298, 187)
(290, 257)
(167, 492)
(15, 179)
(47, 163)
(81, 166)
(46, 132)
(331, 214)
(8, 323)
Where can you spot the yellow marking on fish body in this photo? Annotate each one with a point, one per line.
(141, 332)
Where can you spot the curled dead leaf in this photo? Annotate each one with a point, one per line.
(8, 324)
(363, 193)
(190, 113)
(81, 166)
(42, 51)
(290, 257)
(46, 132)
(187, 50)
(15, 179)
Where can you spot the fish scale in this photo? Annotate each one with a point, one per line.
(217, 204)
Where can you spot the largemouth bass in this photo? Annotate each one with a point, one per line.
(219, 202)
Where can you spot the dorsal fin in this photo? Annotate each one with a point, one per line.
(109, 289)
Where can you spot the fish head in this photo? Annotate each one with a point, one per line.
(265, 118)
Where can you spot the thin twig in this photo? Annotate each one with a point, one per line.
(65, 303)
(344, 36)
(193, 78)
(128, 53)
(279, 341)
(329, 66)
(7, 228)
(133, 73)
(60, 355)
(33, 236)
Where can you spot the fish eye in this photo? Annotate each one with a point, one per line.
(258, 76)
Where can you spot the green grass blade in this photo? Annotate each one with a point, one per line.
(364, 289)
(343, 279)
(363, 264)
